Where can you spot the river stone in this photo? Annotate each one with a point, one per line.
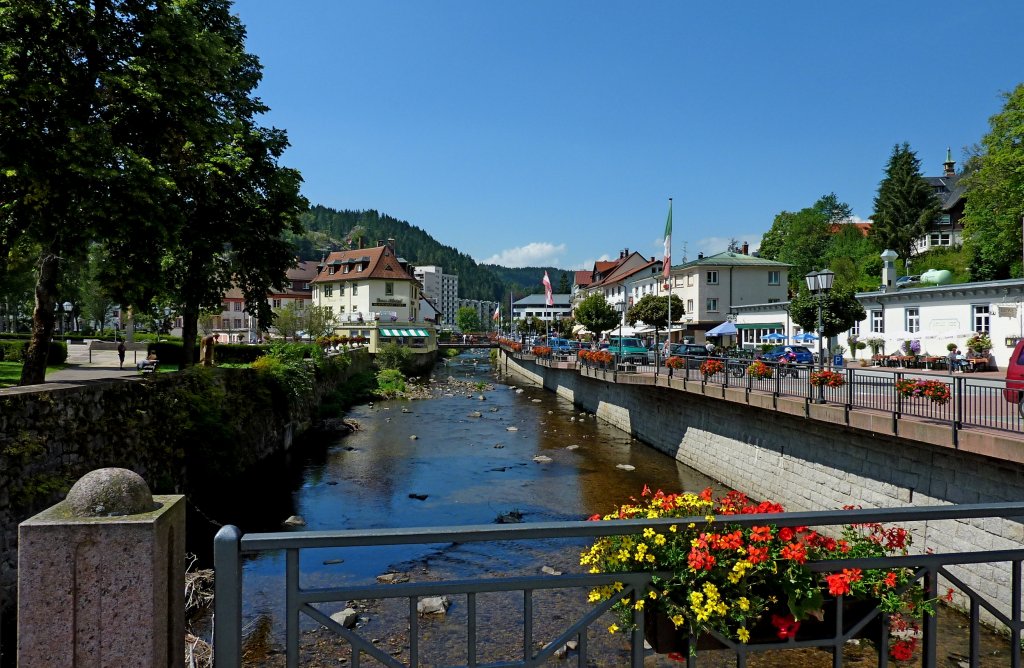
(295, 521)
(542, 459)
(346, 617)
(547, 570)
(392, 578)
(110, 492)
(494, 409)
(413, 437)
(625, 467)
(433, 605)
(572, 644)
(571, 447)
(511, 428)
(519, 391)
(476, 414)
(561, 652)
(482, 398)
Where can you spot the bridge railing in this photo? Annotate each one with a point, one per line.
(231, 547)
(991, 403)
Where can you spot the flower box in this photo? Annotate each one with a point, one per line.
(710, 367)
(759, 370)
(826, 378)
(935, 391)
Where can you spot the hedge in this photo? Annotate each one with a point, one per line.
(169, 352)
(13, 350)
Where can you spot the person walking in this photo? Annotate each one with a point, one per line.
(120, 352)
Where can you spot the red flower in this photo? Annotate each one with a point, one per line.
(795, 552)
(837, 584)
(760, 534)
(890, 579)
(902, 650)
(594, 518)
(785, 534)
(787, 626)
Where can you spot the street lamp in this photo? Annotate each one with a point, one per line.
(819, 283)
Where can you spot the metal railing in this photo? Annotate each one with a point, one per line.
(230, 546)
(989, 403)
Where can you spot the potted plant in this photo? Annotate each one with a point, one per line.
(827, 378)
(710, 367)
(935, 391)
(759, 370)
(980, 344)
(748, 584)
(876, 345)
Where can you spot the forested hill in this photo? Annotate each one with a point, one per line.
(328, 228)
(527, 280)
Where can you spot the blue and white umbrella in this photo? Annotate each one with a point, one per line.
(806, 337)
(774, 337)
(725, 329)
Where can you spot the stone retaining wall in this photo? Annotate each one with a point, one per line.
(179, 431)
(806, 464)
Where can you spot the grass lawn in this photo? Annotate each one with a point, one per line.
(10, 372)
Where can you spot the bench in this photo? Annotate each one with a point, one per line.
(148, 366)
(977, 364)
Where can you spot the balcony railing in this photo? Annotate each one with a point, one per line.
(952, 569)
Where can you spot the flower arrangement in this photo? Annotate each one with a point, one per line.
(675, 362)
(595, 356)
(980, 343)
(710, 367)
(911, 348)
(758, 370)
(876, 344)
(542, 351)
(935, 390)
(827, 378)
(744, 581)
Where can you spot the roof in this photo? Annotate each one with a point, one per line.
(380, 263)
(622, 272)
(305, 270)
(541, 300)
(730, 259)
(952, 191)
(583, 278)
(864, 227)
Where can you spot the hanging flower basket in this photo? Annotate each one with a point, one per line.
(542, 351)
(826, 378)
(675, 362)
(759, 370)
(710, 367)
(934, 390)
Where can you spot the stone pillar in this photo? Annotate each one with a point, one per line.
(101, 577)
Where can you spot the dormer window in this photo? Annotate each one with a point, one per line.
(347, 267)
(331, 270)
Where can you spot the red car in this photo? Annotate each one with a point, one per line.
(1014, 391)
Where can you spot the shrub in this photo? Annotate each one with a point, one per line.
(390, 383)
(394, 356)
(285, 363)
(14, 350)
(238, 353)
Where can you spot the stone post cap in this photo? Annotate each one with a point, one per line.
(110, 492)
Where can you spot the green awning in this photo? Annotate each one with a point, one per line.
(760, 325)
(402, 332)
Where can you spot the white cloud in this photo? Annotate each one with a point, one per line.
(589, 264)
(534, 254)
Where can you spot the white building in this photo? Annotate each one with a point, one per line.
(534, 306)
(484, 311)
(373, 295)
(442, 289)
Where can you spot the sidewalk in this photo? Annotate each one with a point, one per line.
(104, 365)
(998, 374)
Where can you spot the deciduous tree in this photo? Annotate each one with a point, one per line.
(467, 319)
(596, 314)
(995, 195)
(839, 311)
(652, 310)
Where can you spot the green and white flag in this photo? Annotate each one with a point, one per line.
(667, 261)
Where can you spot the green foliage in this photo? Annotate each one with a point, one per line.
(995, 195)
(840, 310)
(905, 204)
(653, 311)
(286, 363)
(802, 239)
(596, 314)
(394, 356)
(467, 319)
(452, 352)
(14, 350)
(390, 383)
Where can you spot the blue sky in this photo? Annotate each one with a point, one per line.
(553, 132)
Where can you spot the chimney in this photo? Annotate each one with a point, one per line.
(391, 244)
(360, 243)
(888, 269)
(746, 248)
(700, 256)
(948, 166)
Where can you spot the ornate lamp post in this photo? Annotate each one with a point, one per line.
(819, 283)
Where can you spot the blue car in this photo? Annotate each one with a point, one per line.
(560, 346)
(803, 355)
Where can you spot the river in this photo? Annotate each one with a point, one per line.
(455, 459)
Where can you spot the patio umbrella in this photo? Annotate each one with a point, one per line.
(806, 337)
(774, 337)
(725, 329)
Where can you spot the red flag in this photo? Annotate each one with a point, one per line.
(497, 314)
(549, 301)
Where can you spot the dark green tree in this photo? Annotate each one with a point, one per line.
(802, 238)
(564, 287)
(653, 310)
(905, 204)
(467, 319)
(995, 195)
(840, 310)
(596, 314)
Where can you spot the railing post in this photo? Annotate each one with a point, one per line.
(227, 602)
(851, 377)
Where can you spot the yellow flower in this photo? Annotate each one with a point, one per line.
(659, 539)
(639, 605)
(743, 634)
(594, 596)
(743, 603)
(673, 528)
(617, 586)
(709, 518)
(678, 621)
(649, 532)
(653, 595)
(613, 628)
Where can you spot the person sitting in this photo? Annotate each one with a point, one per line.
(149, 364)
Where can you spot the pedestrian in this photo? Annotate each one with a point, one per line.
(953, 361)
(710, 347)
(120, 352)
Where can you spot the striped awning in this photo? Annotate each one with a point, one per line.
(759, 325)
(402, 332)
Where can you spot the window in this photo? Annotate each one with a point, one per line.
(236, 306)
(773, 278)
(359, 267)
(689, 280)
(712, 305)
(981, 316)
(877, 322)
(855, 330)
(329, 291)
(341, 309)
(712, 277)
(913, 320)
(330, 311)
(277, 304)
(389, 289)
(347, 268)
(305, 286)
(355, 289)
(331, 271)
(341, 290)
(689, 306)
(238, 323)
(944, 219)
(939, 239)
(300, 304)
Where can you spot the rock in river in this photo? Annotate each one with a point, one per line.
(625, 467)
(433, 605)
(295, 521)
(346, 617)
(542, 459)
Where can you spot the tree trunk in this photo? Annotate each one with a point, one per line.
(33, 371)
(189, 330)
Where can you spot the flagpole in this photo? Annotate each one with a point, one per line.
(667, 270)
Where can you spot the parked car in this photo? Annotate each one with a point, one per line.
(907, 281)
(560, 346)
(628, 349)
(803, 354)
(1014, 391)
(575, 346)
